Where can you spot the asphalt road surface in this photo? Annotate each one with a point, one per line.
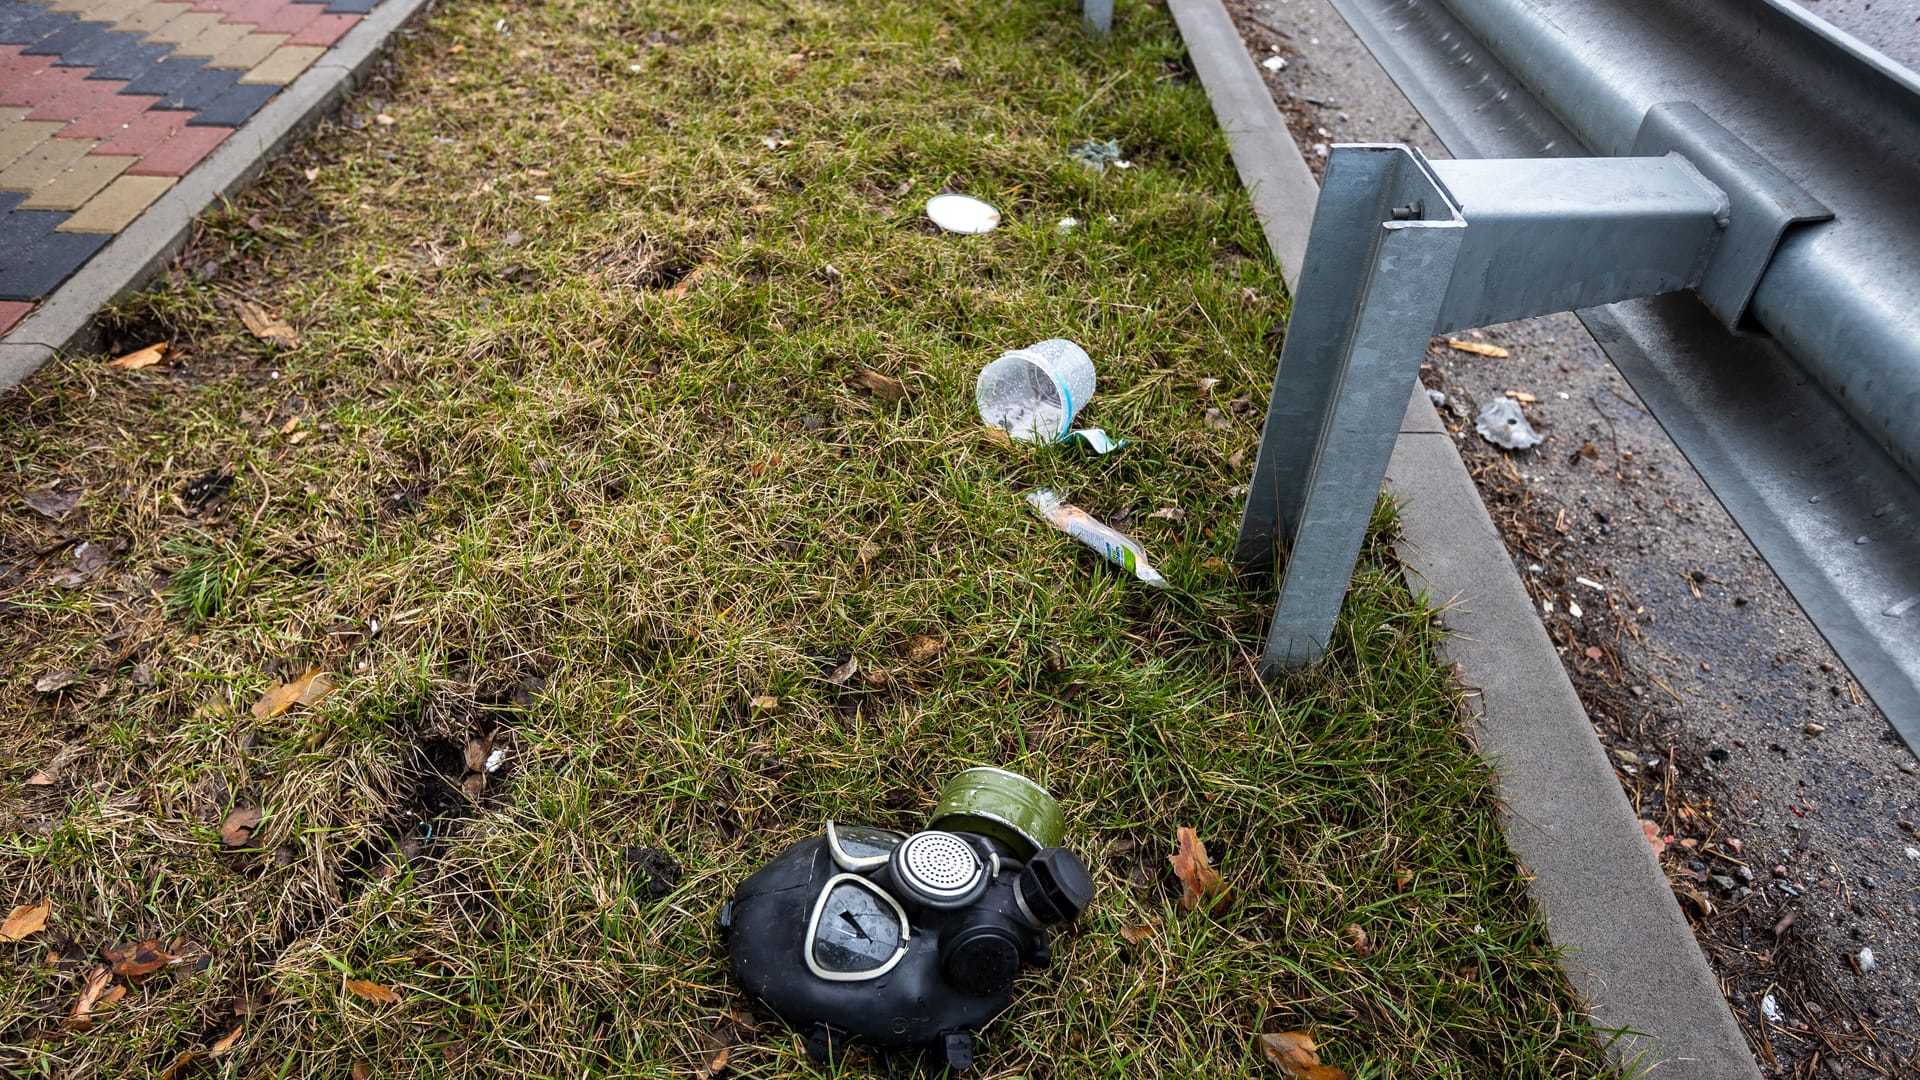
(1789, 800)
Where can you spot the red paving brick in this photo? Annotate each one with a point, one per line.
(86, 96)
(41, 87)
(324, 30)
(290, 19)
(16, 69)
(106, 121)
(11, 312)
(181, 153)
(145, 132)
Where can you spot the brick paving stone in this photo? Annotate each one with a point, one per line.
(21, 229)
(290, 18)
(35, 22)
(143, 133)
(81, 98)
(184, 27)
(102, 45)
(153, 17)
(198, 92)
(285, 65)
(11, 312)
(232, 108)
(110, 10)
(324, 30)
(43, 86)
(70, 37)
(357, 7)
(38, 270)
(129, 62)
(81, 182)
(217, 39)
(42, 163)
(248, 53)
(252, 12)
(110, 118)
(180, 153)
(165, 76)
(20, 137)
(118, 204)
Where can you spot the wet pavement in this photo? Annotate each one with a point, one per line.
(1785, 799)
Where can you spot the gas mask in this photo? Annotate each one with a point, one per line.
(909, 942)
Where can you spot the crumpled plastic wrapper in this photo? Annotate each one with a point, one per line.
(1113, 545)
(1503, 424)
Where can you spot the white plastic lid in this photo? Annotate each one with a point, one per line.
(962, 214)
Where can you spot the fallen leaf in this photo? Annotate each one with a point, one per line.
(385, 120)
(479, 748)
(685, 285)
(1205, 386)
(1357, 940)
(1403, 880)
(1293, 1052)
(1169, 513)
(283, 696)
(868, 552)
(1201, 883)
(142, 358)
(372, 991)
(362, 1071)
(1134, 935)
(225, 1042)
(55, 681)
(839, 676)
(922, 648)
(96, 984)
(237, 830)
(1217, 420)
(1522, 397)
(715, 1065)
(1477, 348)
(882, 387)
(266, 326)
(1653, 836)
(179, 1066)
(475, 785)
(41, 778)
(26, 919)
(140, 960)
(53, 504)
(764, 703)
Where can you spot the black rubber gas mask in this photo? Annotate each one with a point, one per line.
(897, 941)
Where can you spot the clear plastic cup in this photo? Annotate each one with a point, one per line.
(1033, 393)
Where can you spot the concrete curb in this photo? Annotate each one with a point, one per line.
(1626, 945)
(65, 319)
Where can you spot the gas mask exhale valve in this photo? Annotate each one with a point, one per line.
(872, 937)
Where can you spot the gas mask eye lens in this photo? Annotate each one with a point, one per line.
(856, 847)
(857, 931)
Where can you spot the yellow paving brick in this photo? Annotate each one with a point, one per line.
(285, 65)
(20, 136)
(216, 40)
(116, 207)
(41, 164)
(82, 181)
(152, 17)
(249, 52)
(185, 28)
(108, 11)
(12, 114)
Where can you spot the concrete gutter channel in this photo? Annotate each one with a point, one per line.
(64, 320)
(1626, 945)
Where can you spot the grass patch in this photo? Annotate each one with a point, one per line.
(566, 464)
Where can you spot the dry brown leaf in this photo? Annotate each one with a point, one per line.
(685, 285)
(882, 387)
(283, 696)
(372, 991)
(922, 648)
(139, 960)
(52, 502)
(237, 830)
(266, 326)
(868, 552)
(1478, 348)
(1134, 935)
(55, 681)
(475, 785)
(764, 703)
(225, 1042)
(1293, 1052)
(141, 358)
(839, 676)
(26, 919)
(1169, 513)
(715, 1066)
(478, 748)
(179, 1066)
(42, 778)
(1357, 940)
(362, 1071)
(81, 1014)
(1201, 883)
(1653, 836)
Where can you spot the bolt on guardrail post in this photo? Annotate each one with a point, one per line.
(1403, 248)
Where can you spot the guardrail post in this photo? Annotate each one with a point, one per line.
(1098, 16)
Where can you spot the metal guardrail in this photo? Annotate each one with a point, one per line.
(1810, 436)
